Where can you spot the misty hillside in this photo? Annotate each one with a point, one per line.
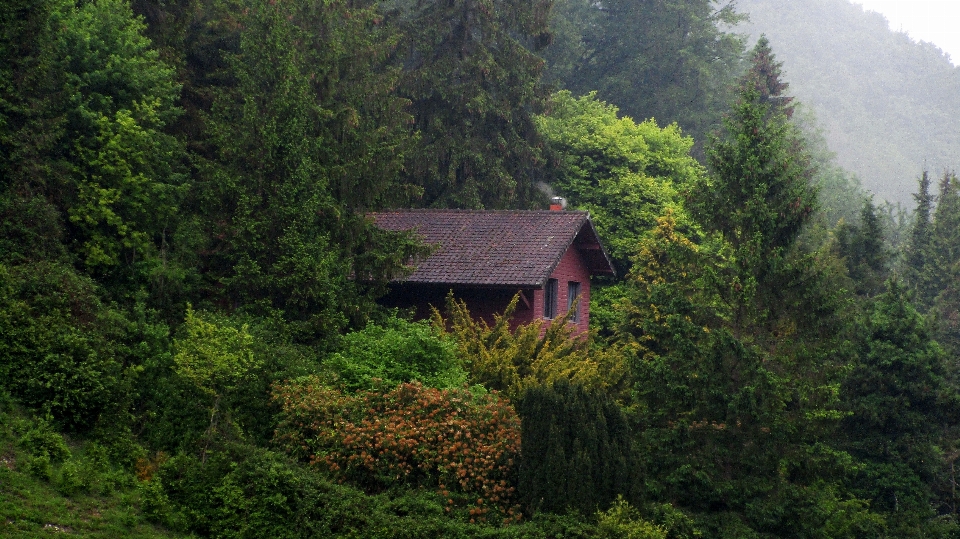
(887, 103)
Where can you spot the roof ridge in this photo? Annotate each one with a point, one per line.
(458, 210)
(488, 247)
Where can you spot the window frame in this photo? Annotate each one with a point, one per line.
(574, 289)
(551, 293)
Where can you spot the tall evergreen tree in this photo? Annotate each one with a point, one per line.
(899, 408)
(921, 237)
(472, 77)
(943, 281)
(670, 60)
(302, 136)
(739, 339)
(760, 195)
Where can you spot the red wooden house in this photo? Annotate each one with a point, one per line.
(487, 257)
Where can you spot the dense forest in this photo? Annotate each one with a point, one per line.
(190, 339)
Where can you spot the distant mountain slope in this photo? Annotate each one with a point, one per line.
(889, 106)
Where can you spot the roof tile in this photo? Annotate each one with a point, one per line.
(491, 248)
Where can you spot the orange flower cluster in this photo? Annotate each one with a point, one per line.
(462, 444)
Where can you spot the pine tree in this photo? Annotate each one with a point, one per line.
(472, 77)
(899, 407)
(738, 339)
(919, 245)
(863, 249)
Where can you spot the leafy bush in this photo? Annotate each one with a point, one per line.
(513, 360)
(41, 439)
(395, 352)
(61, 350)
(624, 522)
(462, 444)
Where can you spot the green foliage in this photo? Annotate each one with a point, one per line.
(864, 252)
(577, 452)
(626, 174)
(673, 61)
(738, 341)
(302, 136)
(513, 360)
(121, 97)
(249, 492)
(41, 439)
(62, 350)
(214, 357)
(900, 407)
(918, 249)
(759, 196)
(76, 491)
(622, 521)
(471, 74)
(395, 352)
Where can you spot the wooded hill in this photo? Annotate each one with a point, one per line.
(189, 333)
(884, 100)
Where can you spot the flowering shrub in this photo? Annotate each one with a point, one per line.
(463, 444)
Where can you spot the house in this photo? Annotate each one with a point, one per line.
(487, 257)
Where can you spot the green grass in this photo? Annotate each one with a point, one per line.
(78, 497)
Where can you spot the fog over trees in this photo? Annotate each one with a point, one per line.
(885, 101)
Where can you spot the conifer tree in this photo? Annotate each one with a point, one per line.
(301, 137)
(943, 276)
(760, 196)
(576, 447)
(862, 248)
(945, 240)
(472, 75)
(899, 407)
(921, 234)
(739, 339)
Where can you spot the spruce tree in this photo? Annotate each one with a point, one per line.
(863, 249)
(302, 136)
(899, 407)
(739, 338)
(921, 237)
(760, 195)
(943, 276)
(471, 74)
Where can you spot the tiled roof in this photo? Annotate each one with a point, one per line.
(496, 248)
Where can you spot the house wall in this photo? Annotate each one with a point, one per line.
(482, 302)
(487, 302)
(572, 267)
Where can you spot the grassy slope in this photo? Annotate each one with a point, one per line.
(78, 499)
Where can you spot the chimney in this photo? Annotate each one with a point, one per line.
(558, 203)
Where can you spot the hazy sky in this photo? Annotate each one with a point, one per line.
(936, 21)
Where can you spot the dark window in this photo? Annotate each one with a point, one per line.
(573, 300)
(550, 299)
